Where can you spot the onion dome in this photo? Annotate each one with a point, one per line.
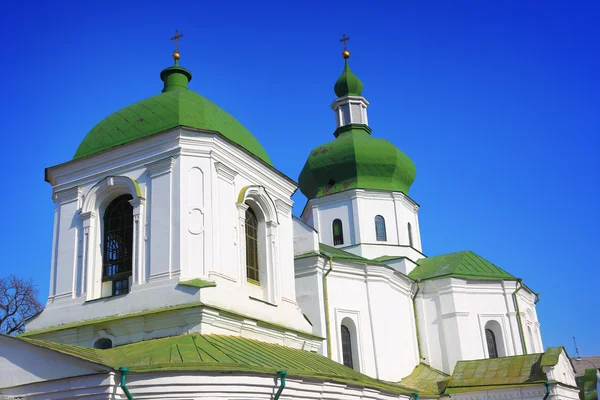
(175, 106)
(348, 84)
(354, 159)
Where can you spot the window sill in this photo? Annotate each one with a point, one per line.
(262, 301)
(106, 298)
(253, 282)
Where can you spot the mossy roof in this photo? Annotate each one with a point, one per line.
(497, 373)
(196, 352)
(426, 380)
(463, 264)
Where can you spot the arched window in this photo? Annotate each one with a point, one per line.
(118, 244)
(103, 344)
(380, 229)
(410, 237)
(491, 343)
(338, 234)
(347, 347)
(251, 246)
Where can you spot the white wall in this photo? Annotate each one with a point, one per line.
(378, 302)
(357, 210)
(190, 225)
(453, 314)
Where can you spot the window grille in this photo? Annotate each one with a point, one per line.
(118, 244)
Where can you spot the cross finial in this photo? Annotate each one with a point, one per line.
(176, 55)
(345, 53)
(344, 39)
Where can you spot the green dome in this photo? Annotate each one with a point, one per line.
(355, 160)
(348, 84)
(176, 106)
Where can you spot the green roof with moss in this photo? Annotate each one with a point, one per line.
(355, 159)
(216, 353)
(463, 264)
(503, 372)
(175, 106)
(426, 380)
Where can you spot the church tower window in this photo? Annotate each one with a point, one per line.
(380, 229)
(347, 347)
(338, 234)
(491, 343)
(252, 246)
(410, 236)
(118, 244)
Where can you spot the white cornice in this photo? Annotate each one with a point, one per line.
(160, 167)
(68, 195)
(224, 172)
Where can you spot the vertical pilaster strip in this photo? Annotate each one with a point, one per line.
(88, 221)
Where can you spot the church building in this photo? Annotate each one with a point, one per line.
(178, 271)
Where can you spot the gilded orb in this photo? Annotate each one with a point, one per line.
(346, 54)
(176, 56)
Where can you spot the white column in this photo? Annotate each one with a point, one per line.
(225, 226)
(137, 262)
(89, 229)
(66, 264)
(241, 240)
(159, 221)
(272, 264)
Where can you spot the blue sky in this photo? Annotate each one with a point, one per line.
(496, 102)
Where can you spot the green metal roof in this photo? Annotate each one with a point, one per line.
(426, 380)
(496, 373)
(221, 354)
(348, 84)
(176, 106)
(464, 264)
(338, 254)
(355, 160)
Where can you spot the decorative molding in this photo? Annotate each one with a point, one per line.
(456, 314)
(160, 167)
(224, 172)
(283, 207)
(68, 195)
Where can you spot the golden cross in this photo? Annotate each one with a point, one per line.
(344, 39)
(176, 39)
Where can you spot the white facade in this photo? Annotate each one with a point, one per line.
(454, 314)
(190, 191)
(357, 210)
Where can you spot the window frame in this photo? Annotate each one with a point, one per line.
(252, 242)
(411, 241)
(491, 336)
(338, 239)
(380, 230)
(125, 228)
(346, 339)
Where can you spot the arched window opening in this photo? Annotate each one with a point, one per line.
(118, 244)
(252, 271)
(380, 229)
(410, 236)
(347, 347)
(338, 234)
(491, 343)
(103, 344)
